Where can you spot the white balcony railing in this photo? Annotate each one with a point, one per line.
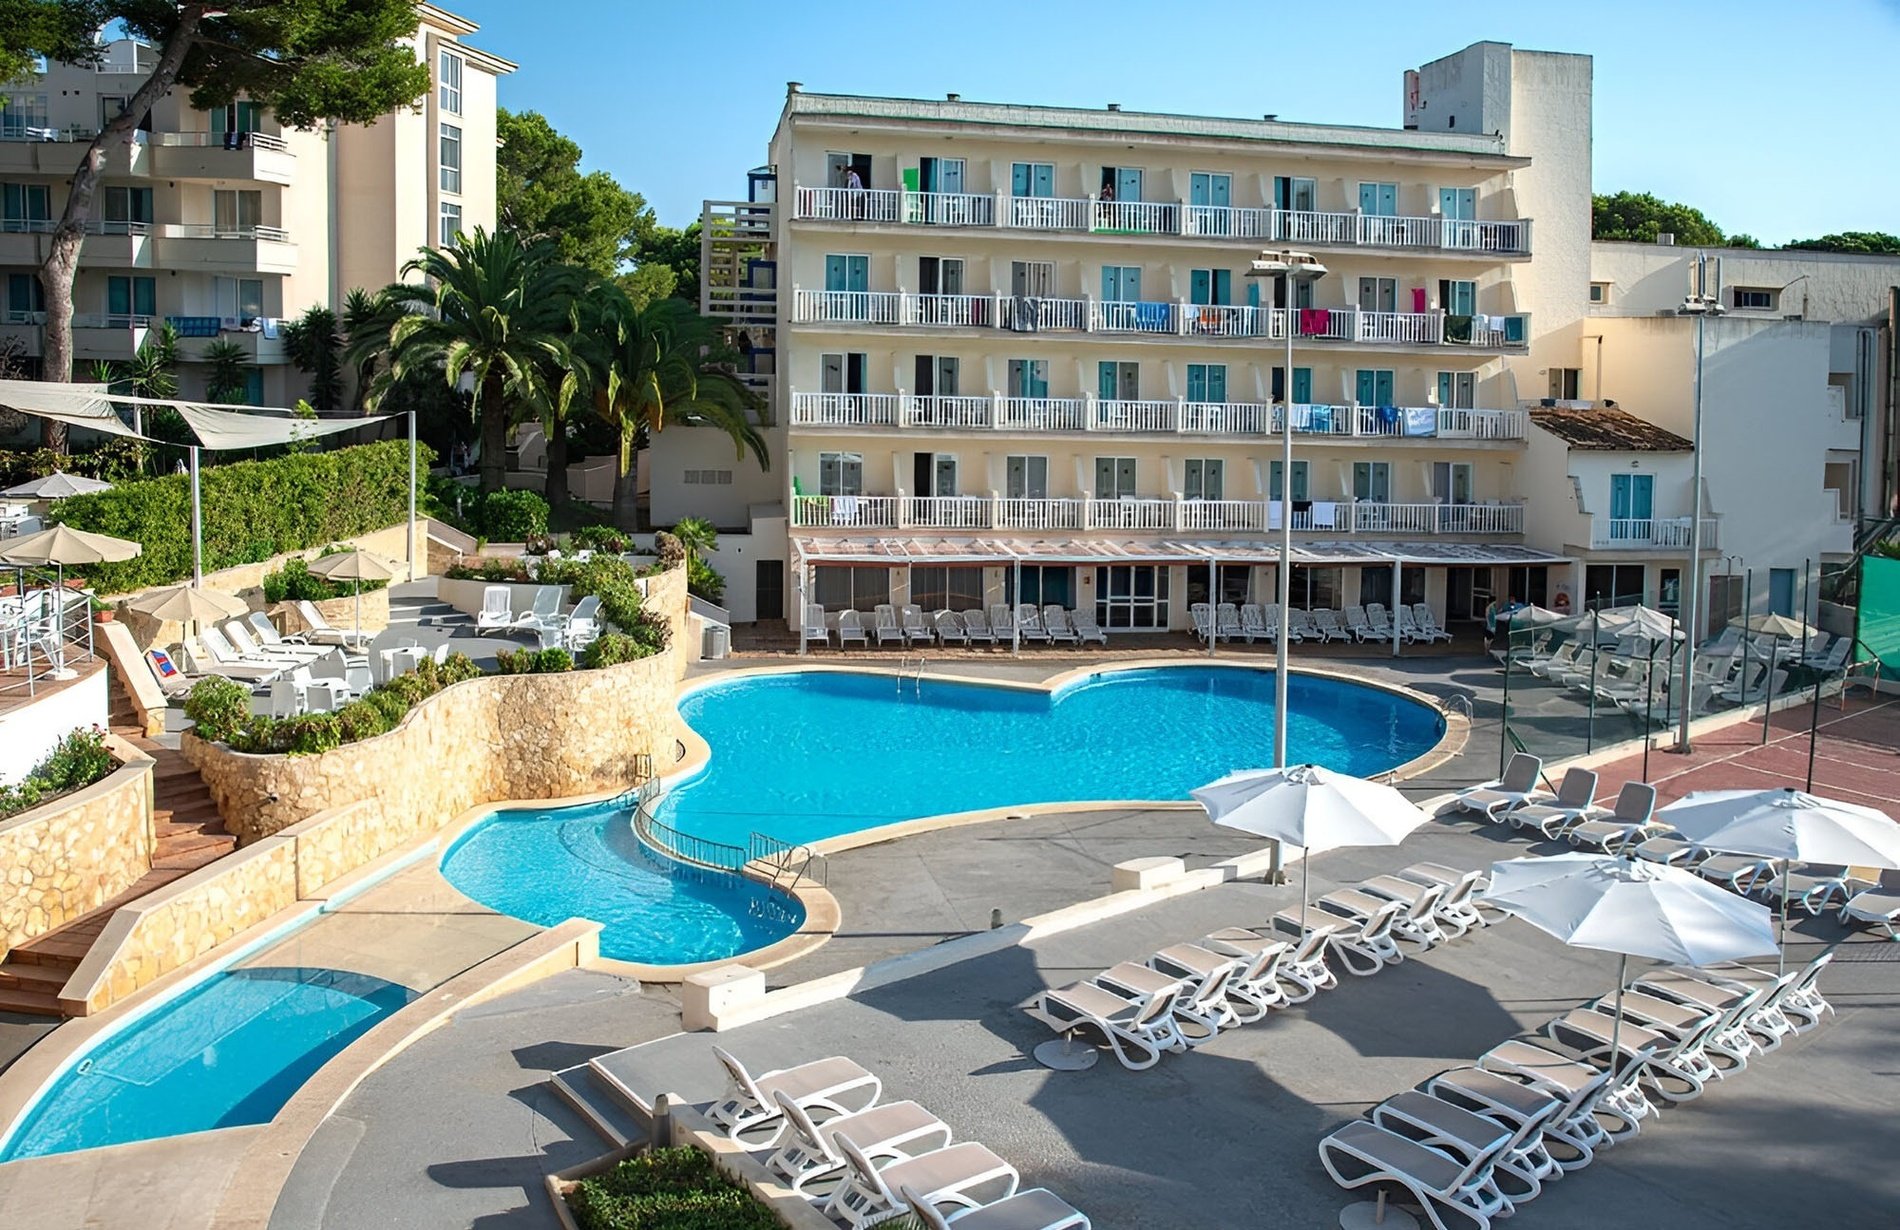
(1039, 514)
(110, 320)
(222, 140)
(1152, 514)
(949, 311)
(855, 512)
(207, 230)
(1317, 228)
(1150, 417)
(1223, 515)
(1648, 533)
(946, 512)
(864, 307)
(1131, 513)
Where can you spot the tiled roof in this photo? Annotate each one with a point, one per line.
(1606, 429)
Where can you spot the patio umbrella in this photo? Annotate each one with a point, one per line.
(358, 566)
(1531, 616)
(187, 604)
(56, 486)
(1780, 626)
(59, 547)
(1636, 621)
(1633, 908)
(1310, 807)
(1786, 824)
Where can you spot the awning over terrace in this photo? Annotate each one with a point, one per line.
(887, 552)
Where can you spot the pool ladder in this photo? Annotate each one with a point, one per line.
(1457, 702)
(910, 672)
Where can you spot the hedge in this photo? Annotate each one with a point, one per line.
(220, 711)
(667, 1189)
(252, 511)
(79, 760)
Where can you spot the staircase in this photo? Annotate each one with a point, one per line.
(190, 834)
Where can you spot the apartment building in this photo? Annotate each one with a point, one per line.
(224, 223)
(1026, 353)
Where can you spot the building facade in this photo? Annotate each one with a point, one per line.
(1021, 353)
(224, 223)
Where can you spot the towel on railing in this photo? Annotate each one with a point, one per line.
(1421, 421)
(1419, 299)
(1273, 514)
(1388, 415)
(1315, 321)
(1151, 317)
(1325, 514)
(1458, 328)
(844, 509)
(1024, 314)
(1321, 420)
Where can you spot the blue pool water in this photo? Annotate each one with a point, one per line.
(228, 1052)
(808, 755)
(547, 866)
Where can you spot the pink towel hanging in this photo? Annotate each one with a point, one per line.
(1418, 298)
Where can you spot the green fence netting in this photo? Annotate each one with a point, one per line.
(1879, 618)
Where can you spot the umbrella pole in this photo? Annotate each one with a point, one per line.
(1306, 875)
(359, 609)
(1616, 1027)
(1781, 934)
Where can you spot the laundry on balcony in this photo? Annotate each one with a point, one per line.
(1458, 329)
(1388, 416)
(844, 510)
(1421, 421)
(1419, 298)
(1315, 321)
(194, 326)
(1025, 313)
(1319, 419)
(1152, 317)
(1325, 514)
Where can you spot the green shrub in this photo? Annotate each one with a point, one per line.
(704, 580)
(613, 648)
(295, 582)
(76, 761)
(387, 703)
(533, 662)
(360, 720)
(257, 736)
(309, 733)
(669, 548)
(218, 709)
(510, 516)
(667, 1189)
(601, 538)
(252, 510)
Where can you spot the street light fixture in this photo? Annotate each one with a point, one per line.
(1700, 306)
(1286, 264)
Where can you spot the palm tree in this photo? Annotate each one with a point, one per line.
(696, 534)
(495, 308)
(314, 345)
(229, 370)
(366, 321)
(665, 363)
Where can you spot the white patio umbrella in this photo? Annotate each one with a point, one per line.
(1787, 825)
(1633, 908)
(60, 546)
(187, 604)
(1310, 807)
(56, 486)
(1782, 627)
(1635, 621)
(358, 566)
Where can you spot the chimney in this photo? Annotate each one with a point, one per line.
(1114, 106)
(1271, 115)
(953, 98)
(793, 87)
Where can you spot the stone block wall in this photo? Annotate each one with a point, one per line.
(340, 612)
(68, 857)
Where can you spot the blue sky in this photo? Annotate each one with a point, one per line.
(1767, 116)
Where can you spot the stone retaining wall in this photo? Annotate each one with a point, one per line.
(67, 857)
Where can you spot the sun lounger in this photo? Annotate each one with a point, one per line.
(1574, 804)
(1561, 1074)
(497, 613)
(976, 627)
(851, 629)
(216, 656)
(1631, 821)
(1677, 1071)
(1378, 623)
(1037, 1208)
(1680, 1021)
(886, 626)
(1200, 1003)
(916, 630)
(1002, 623)
(1801, 1000)
(1055, 621)
(318, 630)
(1419, 921)
(1201, 615)
(1834, 661)
(1255, 983)
(751, 1101)
(1516, 788)
(1362, 1153)
(1736, 872)
(949, 628)
(1466, 1134)
(1571, 1134)
(1300, 625)
(1455, 910)
(1326, 623)
(1136, 1028)
(238, 633)
(1227, 622)
(1557, 662)
(1087, 631)
(172, 680)
(1356, 625)
(1672, 851)
(808, 1151)
(1302, 971)
(1364, 943)
(268, 637)
(1029, 623)
(1413, 922)
(1809, 887)
(1876, 907)
(1253, 623)
(815, 628)
(1428, 623)
(867, 1195)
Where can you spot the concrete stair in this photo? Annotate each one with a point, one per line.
(614, 1117)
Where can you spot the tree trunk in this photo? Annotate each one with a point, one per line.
(625, 484)
(556, 489)
(493, 415)
(62, 258)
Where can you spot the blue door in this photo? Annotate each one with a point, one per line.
(1121, 283)
(1032, 179)
(1458, 204)
(1781, 591)
(1379, 200)
(1208, 189)
(1128, 183)
(1374, 387)
(847, 273)
(1207, 382)
(1631, 504)
(1210, 286)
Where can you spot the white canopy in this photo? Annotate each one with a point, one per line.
(218, 425)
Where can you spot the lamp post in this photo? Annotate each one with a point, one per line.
(1284, 264)
(1701, 307)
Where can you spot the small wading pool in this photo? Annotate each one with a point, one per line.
(230, 1051)
(807, 755)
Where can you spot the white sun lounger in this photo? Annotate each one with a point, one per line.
(497, 613)
(1087, 631)
(1365, 945)
(1632, 820)
(1137, 1029)
(1055, 621)
(1029, 623)
(949, 628)
(1420, 921)
(1570, 1121)
(1428, 623)
(1876, 907)
(1516, 788)
(916, 630)
(1378, 623)
(815, 628)
(1326, 622)
(1253, 623)
(1467, 1134)
(1559, 661)
(1559, 1073)
(868, 1195)
(1362, 1153)
(1227, 622)
(1200, 1003)
(886, 625)
(238, 632)
(1575, 802)
(1357, 624)
(751, 1101)
(976, 626)
(318, 630)
(1037, 1208)
(808, 1150)
(1002, 623)
(1256, 979)
(1202, 617)
(851, 629)
(1300, 625)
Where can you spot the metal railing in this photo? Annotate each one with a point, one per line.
(1649, 533)
(211, 230)
(222, 140)
(1150, 514)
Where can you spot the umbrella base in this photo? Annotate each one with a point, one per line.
(61, 675)
(1063, 1055)
(1375, 1215)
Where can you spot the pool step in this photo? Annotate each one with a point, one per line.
(600, 1104)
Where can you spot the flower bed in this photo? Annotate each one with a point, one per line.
(667, 1189)
(79, 760)
(221, 712)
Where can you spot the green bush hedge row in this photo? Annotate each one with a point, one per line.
(295, 582)
(221, 712)
(607, 577)
(667, 1189)
(77, 761)
(252, 510)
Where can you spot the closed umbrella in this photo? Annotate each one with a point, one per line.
(1631, 907)
(1787, 824)
(358, 566)
(1311, 807)
(56, 486)
(187, 604)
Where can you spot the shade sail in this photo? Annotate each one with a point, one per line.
(218, 425)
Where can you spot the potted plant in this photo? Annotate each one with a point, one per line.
(102, 612)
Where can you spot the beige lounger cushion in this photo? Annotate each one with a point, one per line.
(1036, 1209)
(1392, 1152)
(811, 1079)
(943, 1168)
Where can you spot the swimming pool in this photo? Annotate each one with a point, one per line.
(546, 866)
(227, 1052)
(807, 755)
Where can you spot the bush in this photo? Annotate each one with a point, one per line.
(222, 711)
(613, 648)
(669, 548)
(703, 580)
(295, 582)
(309, 733)
(510, 516)
(218, 709)
(252, 510)
(533, 662)
(360, 720)
(601, 538)
(388, 704)
(76, 761)
(667, 1189)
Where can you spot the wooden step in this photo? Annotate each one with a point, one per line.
(47, 979)
(30, 1003)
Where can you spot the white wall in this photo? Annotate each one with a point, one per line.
(681, 448)
(30, 731)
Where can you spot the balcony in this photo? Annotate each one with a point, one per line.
(1649, 533)
(257, 156)
(1159, 318)
(1175, 417)
(105, 336)
(261, 340)
(1088, 215)
(220, 249)
(1150, 514)
(21, 333)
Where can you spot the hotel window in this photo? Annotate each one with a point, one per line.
(239, 299)
(25, 296)
(451, 158)
(1299, 481)
(1131, 596)
(1114, 478)
(1754, 298)
(1026, 477)
(1457, 390)
(125, 211)
(1599, 293)
(947, 589)
(25, 207)
(449, 72)
(1042, 584)
(841, 474)
(1207, 382)
(1372, 480)
(234, 212)
(20, 112)
(130, 297)
(1202, 480)
(850, 589)
(451, 223)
